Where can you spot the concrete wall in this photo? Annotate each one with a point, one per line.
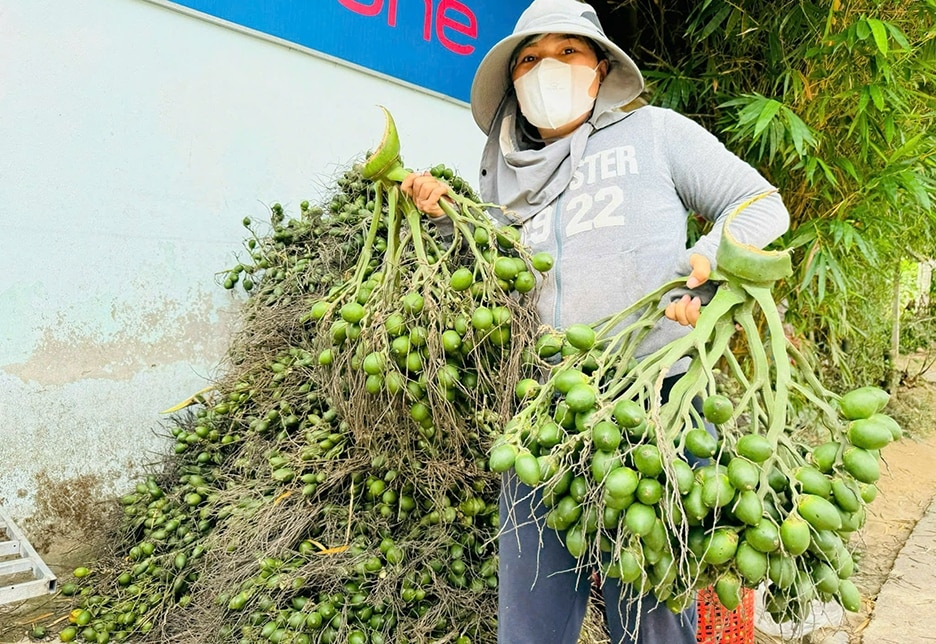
(133, 140)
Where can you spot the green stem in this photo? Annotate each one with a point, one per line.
(649, 301)
(795, 456)
(662, 360)
(820, 393)
(462, 227)
(392, 254)
(827, 410)
(454, 246)
(761, 370)
(781, 361)
(367, 252)
(724, 331)
(696, 379)
(677, 408)
(625, 353)
(749, 397)
(413, 219)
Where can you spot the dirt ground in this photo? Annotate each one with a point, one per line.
(907, 486)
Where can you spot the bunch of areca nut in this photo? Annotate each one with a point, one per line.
(762, 506)
(333, 485)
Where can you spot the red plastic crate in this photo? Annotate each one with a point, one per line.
(717, 625)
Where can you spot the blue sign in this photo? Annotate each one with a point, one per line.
(436, 44)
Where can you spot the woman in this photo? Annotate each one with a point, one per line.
(607, 191)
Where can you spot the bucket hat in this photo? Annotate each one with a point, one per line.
(492, 80)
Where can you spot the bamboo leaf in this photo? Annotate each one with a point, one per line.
(812, 264)
(849, 167)
(898, 36)
(699, 13)
(810, 167)
(890, 127)
(820, 276)
(866, 249)
(877, 96)
(835, 272)
(877, 151)
(880, 34)
(768, 111)
(733, 19)
(863, 98)
(913, 184)
(768, 143)
(907, 150)
(802, 236)
(827, 171)
(889, 188)
(799, 131)
(862, 29)
(751, 111)
(715, 22)
(864, 132)
(734, 102)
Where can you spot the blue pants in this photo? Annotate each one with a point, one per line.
(542, 598)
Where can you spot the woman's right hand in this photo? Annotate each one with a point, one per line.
(426, 191)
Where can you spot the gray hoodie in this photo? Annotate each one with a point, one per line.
(618, 229)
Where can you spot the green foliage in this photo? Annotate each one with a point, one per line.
(835, 102)
(917, 310)
(918, 330)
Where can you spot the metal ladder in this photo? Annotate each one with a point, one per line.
(18, 557)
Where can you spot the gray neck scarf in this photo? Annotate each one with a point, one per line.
(524, 175)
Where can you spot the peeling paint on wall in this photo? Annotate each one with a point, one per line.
(190, 331)
(143, 138)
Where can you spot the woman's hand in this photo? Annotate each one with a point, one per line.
(686, 310)
(426, 191)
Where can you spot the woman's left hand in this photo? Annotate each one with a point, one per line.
(686, 310)
(426, 192)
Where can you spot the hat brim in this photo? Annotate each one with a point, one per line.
(492, 79)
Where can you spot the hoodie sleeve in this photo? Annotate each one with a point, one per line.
(712, 181)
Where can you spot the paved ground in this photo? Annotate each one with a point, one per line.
(905, 610)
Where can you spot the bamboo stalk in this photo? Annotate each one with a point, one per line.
(894, 354)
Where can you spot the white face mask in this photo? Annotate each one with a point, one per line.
(553, 93)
